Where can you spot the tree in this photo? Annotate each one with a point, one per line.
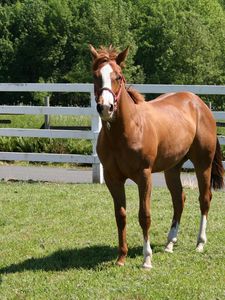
(171, 41)
(6, 45)
(180, 42)
(105, 23)
(39, 36)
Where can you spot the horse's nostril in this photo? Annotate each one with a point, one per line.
(99, 108)
(111, 107)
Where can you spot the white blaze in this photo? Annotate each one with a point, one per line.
(106, 83)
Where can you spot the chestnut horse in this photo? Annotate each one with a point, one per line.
(139, 138)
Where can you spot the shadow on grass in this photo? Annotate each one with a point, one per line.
(85, 258)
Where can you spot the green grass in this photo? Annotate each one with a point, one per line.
(59, 241)
(221, 131)
(36, 121)
(39, 145)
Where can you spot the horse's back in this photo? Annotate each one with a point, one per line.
(184, 106)
(177, 99)
(175, 113)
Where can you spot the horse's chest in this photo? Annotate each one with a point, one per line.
(127, 161)
(126, 155)
(126, 164)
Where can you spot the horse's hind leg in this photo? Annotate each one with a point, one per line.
(205, 195)
(202, 155)
(174, 185)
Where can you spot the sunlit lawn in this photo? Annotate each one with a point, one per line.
(59, 241)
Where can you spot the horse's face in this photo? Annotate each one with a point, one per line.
(108, 84)
(108, 81)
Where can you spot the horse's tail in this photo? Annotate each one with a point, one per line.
(217, 173)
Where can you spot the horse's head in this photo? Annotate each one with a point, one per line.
(108, 79)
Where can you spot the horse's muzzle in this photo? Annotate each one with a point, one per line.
(99, 108)
(105, 111)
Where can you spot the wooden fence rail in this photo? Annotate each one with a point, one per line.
(95, 120)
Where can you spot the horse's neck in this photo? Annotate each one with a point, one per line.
(126, 107)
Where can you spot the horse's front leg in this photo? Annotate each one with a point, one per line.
(144, 186)
(117, 190)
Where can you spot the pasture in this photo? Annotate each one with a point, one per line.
(60, 242)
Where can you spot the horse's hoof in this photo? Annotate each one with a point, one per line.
(200, 247)
(167, 250)
(169, 247)
(120, 263)
(147, 266)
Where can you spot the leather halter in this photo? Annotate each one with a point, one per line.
(116, 96)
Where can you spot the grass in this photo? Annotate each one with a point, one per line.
(221, 131)
(40, 145)
(59, 241)
(36, 121)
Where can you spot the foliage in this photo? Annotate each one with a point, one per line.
(170, 41)
(180, 41)
(59, 241)
(111, 24)
(39, 145)
(221, 131)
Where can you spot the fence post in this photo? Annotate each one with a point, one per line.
(47, 103)
(97, 170)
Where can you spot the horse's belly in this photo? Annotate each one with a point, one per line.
(174, 143)
(165, 164)
(170, 156)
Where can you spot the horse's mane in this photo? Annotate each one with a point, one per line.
(104, 55)
(135, 95)
(109, 52)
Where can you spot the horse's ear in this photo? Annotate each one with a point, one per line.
(122, 56)
(94, 53)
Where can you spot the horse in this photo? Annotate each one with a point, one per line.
(141, 137)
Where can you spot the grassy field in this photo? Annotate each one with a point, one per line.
(60, 242)
(36, 121)
(39, 145)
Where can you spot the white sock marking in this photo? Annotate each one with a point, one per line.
(202, 231)
(147, 252)
(172, 238)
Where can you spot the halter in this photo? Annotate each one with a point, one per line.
(116, 96)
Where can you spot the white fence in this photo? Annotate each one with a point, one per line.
(95, 124)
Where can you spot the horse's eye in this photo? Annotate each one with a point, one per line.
(118, 77)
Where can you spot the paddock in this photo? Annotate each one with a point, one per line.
(51, 249)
